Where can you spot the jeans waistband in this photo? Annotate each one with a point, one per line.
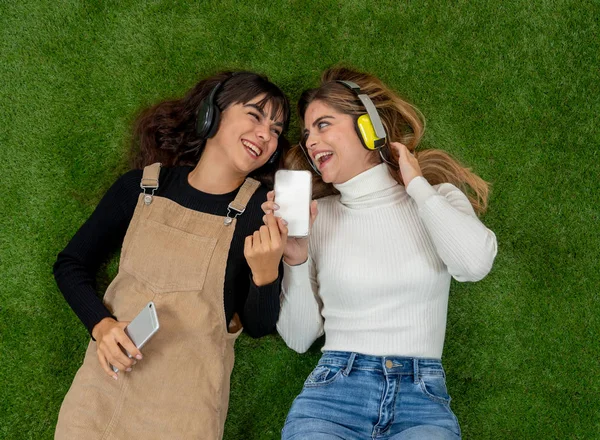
(388, 365)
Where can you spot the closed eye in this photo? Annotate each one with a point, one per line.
(255, 115)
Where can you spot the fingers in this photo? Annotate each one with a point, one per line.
(106, 366)
(314, 211)
(265, 236)
(130, 347)
(402, 150)
(119, 359)
(248, 246)
(274, 234)
(283, 229)
(269, 207)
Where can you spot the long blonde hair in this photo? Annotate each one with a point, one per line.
(403, 123)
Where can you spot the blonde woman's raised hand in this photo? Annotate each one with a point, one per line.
(408, 163)
(296, 249)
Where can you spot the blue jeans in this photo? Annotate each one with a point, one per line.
(353, 396)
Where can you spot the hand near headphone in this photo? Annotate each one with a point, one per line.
(408, 163)
(296, 249)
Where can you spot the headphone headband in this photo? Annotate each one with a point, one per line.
(369, 106)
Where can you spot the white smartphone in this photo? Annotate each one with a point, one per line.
(142, 328)
(293, 193)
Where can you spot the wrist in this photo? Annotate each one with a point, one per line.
(262, 279)
(99, 328)
(295, 261)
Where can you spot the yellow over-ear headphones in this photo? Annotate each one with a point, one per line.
(369, 127)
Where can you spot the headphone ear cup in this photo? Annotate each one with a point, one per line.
(360, 134)
(364, 126)
(203, 120)
(214, 121)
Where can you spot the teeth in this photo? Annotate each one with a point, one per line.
(319, 156)
(256, 151)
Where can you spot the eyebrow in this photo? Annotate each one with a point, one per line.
(317, 121)
(262, 113)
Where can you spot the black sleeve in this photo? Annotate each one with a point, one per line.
(103, 233)
(258, 307)
(261, 308)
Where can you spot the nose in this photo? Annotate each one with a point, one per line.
(263, 132)
(310, 140)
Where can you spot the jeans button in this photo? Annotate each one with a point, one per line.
(389, 364)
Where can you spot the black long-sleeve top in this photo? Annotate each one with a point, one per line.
(103, 233)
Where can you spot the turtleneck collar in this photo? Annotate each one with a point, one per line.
(369, 186)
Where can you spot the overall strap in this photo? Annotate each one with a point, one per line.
(241, 200)
(150, 181)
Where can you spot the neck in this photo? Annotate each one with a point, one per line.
(214, 174)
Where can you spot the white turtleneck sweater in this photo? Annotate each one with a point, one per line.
(380, 260)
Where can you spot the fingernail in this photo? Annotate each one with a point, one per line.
(138, 356)
(264, 219)
(275, 205)
(128, 370)
(284, 222)
(134, 362)
(115, 377)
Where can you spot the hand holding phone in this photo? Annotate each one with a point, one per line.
(111, 339)
(293, 192)
(141, 329)
(296, 249)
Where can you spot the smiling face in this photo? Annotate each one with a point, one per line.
(247, 136)
(333, 144)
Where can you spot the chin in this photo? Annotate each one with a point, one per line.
(327, 179)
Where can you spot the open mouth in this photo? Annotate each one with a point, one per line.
(252, 148)
(322, 158)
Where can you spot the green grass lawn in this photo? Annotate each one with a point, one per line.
(510, 87)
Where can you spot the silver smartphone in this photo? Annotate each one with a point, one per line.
(142, 328)
(293, 193)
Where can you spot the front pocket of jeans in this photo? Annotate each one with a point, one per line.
(434, 387)
(322, 375)
(168, 259)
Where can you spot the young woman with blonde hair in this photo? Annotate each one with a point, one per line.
(394, 225)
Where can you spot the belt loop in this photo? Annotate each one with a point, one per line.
(349, 364)
(416, 370)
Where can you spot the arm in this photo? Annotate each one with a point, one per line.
(261, 305)
(300, 321)
(77, 265)
(263, 251)
(465, 245)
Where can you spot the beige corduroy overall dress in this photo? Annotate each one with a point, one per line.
(175, 257)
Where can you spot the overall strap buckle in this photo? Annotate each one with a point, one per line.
(150, 181)
(238, 206)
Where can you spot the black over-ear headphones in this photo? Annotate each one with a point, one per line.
(209, 116)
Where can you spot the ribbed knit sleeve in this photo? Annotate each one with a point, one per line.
(300, 321)
(462, 241)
